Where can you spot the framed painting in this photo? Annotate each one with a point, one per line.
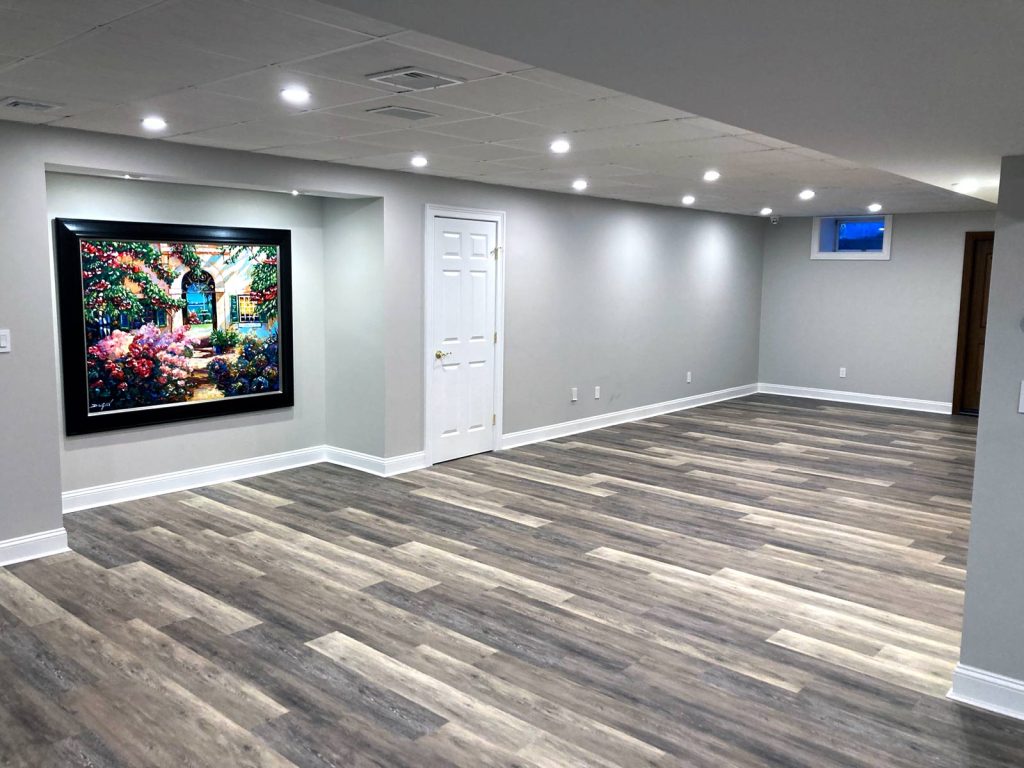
(162, 323)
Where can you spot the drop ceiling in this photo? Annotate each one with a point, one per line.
(214, 69)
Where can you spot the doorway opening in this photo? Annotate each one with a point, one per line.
(970, 348)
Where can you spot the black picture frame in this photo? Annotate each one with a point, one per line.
(71, 299)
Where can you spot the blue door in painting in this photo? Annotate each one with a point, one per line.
(201, 301)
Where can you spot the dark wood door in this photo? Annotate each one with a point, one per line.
(973, 315)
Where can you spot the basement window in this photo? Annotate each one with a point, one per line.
(856, 238)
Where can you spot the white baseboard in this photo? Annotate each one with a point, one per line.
(32, 546)
(154, 485)
(128, 490)
(859, 398)
(375, 465)
(565, 428)
(987, 690)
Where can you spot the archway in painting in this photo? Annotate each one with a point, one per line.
(200, 294)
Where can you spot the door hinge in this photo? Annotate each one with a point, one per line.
(495, 337)
(494, 419)
(495, 251)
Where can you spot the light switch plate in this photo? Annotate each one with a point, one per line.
(1020, 402)
(574, 394)
(5, 341)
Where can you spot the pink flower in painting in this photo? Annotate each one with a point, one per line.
(115, 345)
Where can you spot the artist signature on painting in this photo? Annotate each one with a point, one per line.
(100, 406)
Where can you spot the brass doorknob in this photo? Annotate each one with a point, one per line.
(439, 355)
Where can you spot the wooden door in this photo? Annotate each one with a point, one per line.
(462, 354)
(973, 317)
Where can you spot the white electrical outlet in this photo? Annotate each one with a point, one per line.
(574, 394)
(842, 373)
(689, 377)
(5, 341)
(597, 392)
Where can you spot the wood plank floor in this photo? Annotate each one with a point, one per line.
(763, 582)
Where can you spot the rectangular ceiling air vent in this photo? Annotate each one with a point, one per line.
(405, 113)
(412, 79)
(13, 102)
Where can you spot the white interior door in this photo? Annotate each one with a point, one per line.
(462, 352)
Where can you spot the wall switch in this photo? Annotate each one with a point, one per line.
(5, 341)
(842, 373)
(574, 394)
(1020, 403)
(689, 377)
(597, 393)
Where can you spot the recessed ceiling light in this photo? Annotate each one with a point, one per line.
(419, 161)
(560, 146)
(807, 194)
(295, 193)
(766, 211)
(689, 199)
(875, 207)
(712, 175)
(579, 185)
(296, 94)
(967, 186)
(154, 123)
(126, 176)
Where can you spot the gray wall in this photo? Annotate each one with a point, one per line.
(892, 324)
(992, 637)
(354, 283)
(90, 460)
(30, 436)
(598, 292)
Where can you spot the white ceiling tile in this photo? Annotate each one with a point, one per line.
(331, 150)
(655, 110)
(568, 164)
(201, 66)
(767, 141)
(26, 34)
(185, 112)
(105, 53)
(247, 136)
(89, 12)
(435, 45)
(392, 161)
(492, 129)
(329, 14)
(499, 94)
(354, 64)
(483, 152)
(624, 136)
(717, 128)
(323, 124)
(267, 37)
(265, 85)
(583, 116)
(64, 83)
(444, 113)
(572, 85)
(65, 103)
(412, 140)
(719, 145)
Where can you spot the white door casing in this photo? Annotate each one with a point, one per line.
(462, 314)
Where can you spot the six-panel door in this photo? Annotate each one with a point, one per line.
(464, 288)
